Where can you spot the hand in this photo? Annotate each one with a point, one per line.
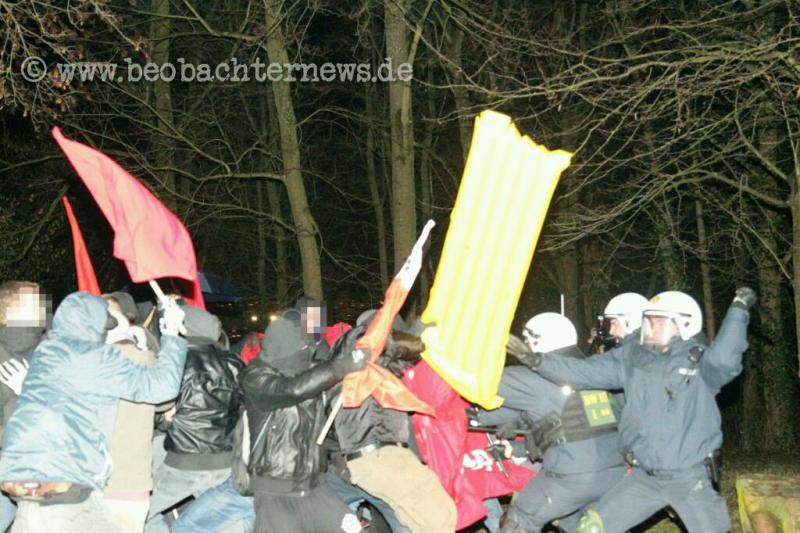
(170, 414)
(517, 347)
(745, 298)
(352, 361)
(171, 321)
(12, 374)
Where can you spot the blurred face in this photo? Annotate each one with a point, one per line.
(616, 329)
(660, 330)
(28, 309)
(314, 320)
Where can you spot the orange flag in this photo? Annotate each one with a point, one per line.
(375, 380)
(87, 280)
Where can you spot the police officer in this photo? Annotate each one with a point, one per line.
(621, 319)
(575, 433)
(670, 427)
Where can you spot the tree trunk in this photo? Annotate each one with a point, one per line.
(372, 179)
(705, 271)
(455, 38)
(163, 153)
(425, 187)
(305, 226)
(274, 198)
(778, 383)
(795, 206)
(404, 216)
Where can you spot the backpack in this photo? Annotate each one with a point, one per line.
(241, 454)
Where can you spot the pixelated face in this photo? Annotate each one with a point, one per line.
(28, 309)
(314, 318)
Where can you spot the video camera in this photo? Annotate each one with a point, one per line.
(602, 340)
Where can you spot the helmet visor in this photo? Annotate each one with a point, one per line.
(658, 330)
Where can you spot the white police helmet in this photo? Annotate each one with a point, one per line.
(681, 308)
(627, 308)
(547, 332)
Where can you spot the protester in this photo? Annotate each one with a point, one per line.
(127, 494)
(670, 427)
(284, 397)
(374, 442)
(199, 430)
(55, 459)
(23, 316)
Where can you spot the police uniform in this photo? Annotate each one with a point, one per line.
(578, 436)
(669, 426)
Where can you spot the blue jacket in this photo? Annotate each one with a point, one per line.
(524, 390)
(64, 417)
(671, 419)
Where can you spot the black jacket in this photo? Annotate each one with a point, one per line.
(200, 436)
(291, 410)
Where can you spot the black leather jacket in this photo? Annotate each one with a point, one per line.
(200, 436)
(291, 411)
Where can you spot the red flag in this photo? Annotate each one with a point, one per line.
(148, 237)
(375, 380)
(87, 280)
(458, 457)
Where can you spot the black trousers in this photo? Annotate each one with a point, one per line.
(317, 511)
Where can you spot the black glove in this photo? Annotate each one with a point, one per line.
(745, 298)
(507, 431)
(517, 347)
(351, 361)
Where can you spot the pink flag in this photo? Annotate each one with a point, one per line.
(148, 237)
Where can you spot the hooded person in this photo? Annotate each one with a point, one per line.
(573, 432)
(199, 429)
(285, 397)
(55, 447)
(374, 443)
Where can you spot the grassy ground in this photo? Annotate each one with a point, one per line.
(733, 465)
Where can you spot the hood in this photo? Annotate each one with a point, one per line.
(127, 304)
(81, 316)
(285, 345)
(201, 324)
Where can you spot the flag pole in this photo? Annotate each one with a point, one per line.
(406, 276)
(337, 406)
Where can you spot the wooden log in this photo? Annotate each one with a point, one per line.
(768, 503)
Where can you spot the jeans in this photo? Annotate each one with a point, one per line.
(218, 509)
(90, 515)
(494, 512)
(353, 496)
(8, 510)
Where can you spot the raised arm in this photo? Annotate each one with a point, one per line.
(265, 386)
(722, 361)
(120, 376)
